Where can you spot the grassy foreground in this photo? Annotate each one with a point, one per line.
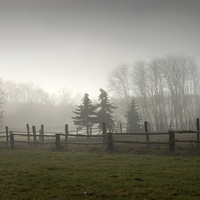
(84, 175)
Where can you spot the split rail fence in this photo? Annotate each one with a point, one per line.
(169, 140)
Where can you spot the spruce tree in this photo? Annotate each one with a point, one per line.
(85, 114)
(105, 110)
(133, 118)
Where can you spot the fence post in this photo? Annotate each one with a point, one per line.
(42, 133)
(104, 132)
(87, 129)
(110, 142)
(147, 132)
(12, 140)
(7, 136)
(34, 134)
(66, 133)
(28, 132)
(127, 128)
(57, 142)
(197, 124)
(90, 130)
(171, 141)
(121, 128)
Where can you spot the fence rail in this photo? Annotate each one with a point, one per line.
(169, 139)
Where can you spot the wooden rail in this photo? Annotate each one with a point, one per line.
(108, 140)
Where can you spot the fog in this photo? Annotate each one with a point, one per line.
(75, 44)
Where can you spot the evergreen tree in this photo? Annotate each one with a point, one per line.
(133, 118)
(105, 110)
(85, 114)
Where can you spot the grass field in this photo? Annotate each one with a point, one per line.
(33, 174)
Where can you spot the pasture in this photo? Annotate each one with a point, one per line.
(41, 174)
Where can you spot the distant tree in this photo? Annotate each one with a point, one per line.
(133, 118)
(36, 106)
(2, 101)
(119, 84)
(25, 93)
(105, 110)
(85, 114)
(167, 91)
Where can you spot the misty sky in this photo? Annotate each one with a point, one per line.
(75, 43)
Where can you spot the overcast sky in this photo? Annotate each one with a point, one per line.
(75, 43)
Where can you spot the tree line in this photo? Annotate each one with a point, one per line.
(23, 103)
(166, 90)
(28, 103)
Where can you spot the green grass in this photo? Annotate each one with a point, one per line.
(32, 174)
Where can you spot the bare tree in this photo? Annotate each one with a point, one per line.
(139, 86)
(180, 73)
(119, 84)
(65, 97)
(25, 93)
(167, 90)
(156, 87)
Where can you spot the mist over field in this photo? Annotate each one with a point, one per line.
(99, 99)
(54, 52)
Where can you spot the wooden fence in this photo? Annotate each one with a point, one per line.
(169, 140)
(57, 138)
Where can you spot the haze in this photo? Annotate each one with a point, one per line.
(75, 43)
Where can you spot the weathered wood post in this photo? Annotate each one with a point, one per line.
(7, 136)
(28, 132)
(42, 133)
(57, 142)
(66, 133)
(197, 124)
(110, 142)
(121, 128)
(34, 135)
(190, 125)
(87, 129)
(147, 132)
(40, 136)
(12, 140)
(127, 128)
(171, 141)
(104, 132)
